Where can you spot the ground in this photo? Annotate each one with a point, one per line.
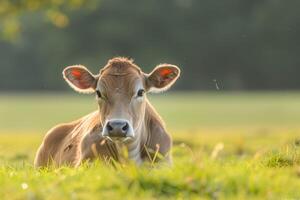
(226, 146)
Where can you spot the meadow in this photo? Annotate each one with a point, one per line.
(226, 146)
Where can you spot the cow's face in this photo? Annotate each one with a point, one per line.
(120, 89)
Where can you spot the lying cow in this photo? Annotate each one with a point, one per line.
(125, 116)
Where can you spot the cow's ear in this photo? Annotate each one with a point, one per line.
(162, 77)
(80, 79)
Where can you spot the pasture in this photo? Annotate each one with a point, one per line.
(226, 146)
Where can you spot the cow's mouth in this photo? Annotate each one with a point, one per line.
(119, 139)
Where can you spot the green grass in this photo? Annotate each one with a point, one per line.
(226, 146)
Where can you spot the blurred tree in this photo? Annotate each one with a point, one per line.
(53, 10)
(242, 44)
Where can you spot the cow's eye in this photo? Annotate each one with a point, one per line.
(98, 94)
(141, 93)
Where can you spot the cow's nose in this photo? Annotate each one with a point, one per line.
(117, 128)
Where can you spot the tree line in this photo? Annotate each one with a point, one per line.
(240, 45)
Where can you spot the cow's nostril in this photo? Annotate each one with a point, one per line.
(125, 128)
(117, 128)
(109, 127)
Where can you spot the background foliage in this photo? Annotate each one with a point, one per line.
(241, 44)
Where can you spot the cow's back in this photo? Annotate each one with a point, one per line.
(55, 143)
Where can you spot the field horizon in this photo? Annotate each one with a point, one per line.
(226, 146)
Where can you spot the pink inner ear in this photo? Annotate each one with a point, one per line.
(76, 73)
(165, 72)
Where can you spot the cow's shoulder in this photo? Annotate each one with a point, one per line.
(158, 138)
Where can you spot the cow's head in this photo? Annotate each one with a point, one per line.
(121, 89)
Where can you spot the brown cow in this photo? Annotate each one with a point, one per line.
(125, 118)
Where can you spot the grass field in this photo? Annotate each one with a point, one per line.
(226, 146)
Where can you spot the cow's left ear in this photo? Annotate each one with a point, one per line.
(80, 79)
(162, 77)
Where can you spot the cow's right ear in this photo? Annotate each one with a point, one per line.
(80, 79)
(162, 77)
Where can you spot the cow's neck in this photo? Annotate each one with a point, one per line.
(134, 146)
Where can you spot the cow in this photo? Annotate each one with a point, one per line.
(125, 118)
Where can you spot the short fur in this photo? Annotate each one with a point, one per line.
(81, 140)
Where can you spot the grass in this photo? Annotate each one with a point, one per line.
(226, 146)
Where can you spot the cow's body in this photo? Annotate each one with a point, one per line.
(121, 103)
(77, 141)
